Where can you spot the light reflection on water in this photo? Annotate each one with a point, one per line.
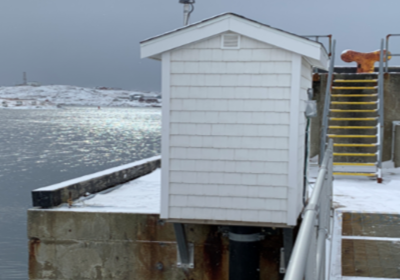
(44, 147)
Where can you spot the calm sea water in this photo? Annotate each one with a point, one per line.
(44, 147)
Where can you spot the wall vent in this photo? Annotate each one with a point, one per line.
(230, 41)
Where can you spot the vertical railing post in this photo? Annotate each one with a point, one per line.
(380, 113)
(387, 54)
(324, 124)
(324, 216)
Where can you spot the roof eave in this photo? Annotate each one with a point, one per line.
(316, 53)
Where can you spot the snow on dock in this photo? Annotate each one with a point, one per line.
(355, 201)
(137, 196)
(349, 195)
(361, 204)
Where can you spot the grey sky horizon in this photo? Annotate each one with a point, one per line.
(96, 42)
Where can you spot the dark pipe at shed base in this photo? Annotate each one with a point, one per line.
(244, 253)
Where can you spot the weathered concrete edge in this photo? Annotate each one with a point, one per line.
(50, 197)
(396, 152)
(110, 246)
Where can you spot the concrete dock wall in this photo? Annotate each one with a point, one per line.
(107, 246)
(57, 194)
(391, 110)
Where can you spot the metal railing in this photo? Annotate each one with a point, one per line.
(387, 52)
(325, 113)
(321, 36)
(308, 256)
(380, 114)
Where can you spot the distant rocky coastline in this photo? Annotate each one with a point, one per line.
(56, 96)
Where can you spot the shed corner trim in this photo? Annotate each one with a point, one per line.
(165, 84)
(293, 139)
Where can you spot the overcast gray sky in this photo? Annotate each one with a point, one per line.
(96, 42)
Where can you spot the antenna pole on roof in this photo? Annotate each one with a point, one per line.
(188, 8)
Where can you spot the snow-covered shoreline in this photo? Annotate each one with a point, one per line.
(55, 96)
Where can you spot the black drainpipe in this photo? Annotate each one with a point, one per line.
(305, 181)
(244, 253)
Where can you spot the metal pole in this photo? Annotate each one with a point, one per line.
(182, 243)
(188, 9)
(244, 253)
(323, 221)
(324, 125)
(298, 260)
(387, 53)
(287, 244)
(381, 117)
(321, 268)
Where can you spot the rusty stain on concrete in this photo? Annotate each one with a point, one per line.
(140, 247)
(270, 252)
(212, 252)
(34, 245)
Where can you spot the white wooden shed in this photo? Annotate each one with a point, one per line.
(233, 123)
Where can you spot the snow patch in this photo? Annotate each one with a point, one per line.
(138, 196)
(97, 174)
(363, 195)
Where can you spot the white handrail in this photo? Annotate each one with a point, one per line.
(325, 113)
(305, 261)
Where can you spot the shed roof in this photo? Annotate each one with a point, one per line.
(313, 51)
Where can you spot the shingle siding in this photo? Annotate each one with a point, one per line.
(229, 92)
(242, 55)
(229, 80)
(220, 117)
(229, 68)
(229, 131)
(250, 167)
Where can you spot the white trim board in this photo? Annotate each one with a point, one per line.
(372, 238)
(335, 268)
(292, 214)
(166, 87)
(366, 278)
(314, 51)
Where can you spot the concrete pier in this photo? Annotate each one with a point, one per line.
(122, 237)
(79, 245)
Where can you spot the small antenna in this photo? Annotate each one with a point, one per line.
(25, 80)
(188, 8)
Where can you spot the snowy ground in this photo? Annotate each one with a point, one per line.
(360, 195)
(138, 196)
(365, 195)
(30, 97)
(349, 194)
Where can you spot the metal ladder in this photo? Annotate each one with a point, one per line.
(349, 116)
(353, 117)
